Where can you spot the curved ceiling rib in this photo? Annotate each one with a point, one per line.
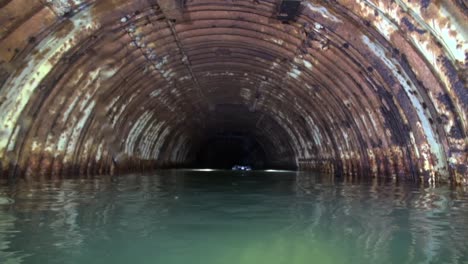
(350, 87)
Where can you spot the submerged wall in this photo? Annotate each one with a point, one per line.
(348, 86)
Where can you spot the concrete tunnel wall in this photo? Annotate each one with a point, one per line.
(351, 87)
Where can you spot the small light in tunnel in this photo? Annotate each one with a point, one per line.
(277, 171)
(203, 170)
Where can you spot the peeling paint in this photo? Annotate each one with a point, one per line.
(294, 73)
(423, 117)
(22, 87)
(323, 11)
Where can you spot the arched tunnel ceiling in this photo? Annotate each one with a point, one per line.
(346, 86)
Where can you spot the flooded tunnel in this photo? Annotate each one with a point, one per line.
(374, 88)
(122, 123)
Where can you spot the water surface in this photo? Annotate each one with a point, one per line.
(225, 217)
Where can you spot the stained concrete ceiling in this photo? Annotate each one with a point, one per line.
(352, 87)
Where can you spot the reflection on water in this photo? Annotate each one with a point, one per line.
(231, 217)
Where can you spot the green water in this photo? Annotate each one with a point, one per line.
(225, 217)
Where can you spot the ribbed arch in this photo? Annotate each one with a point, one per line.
(351, 87)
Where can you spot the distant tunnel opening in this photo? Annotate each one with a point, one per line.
(226, 150)
(97, 87)
(234, 134)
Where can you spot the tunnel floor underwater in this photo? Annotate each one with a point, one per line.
(231, 217)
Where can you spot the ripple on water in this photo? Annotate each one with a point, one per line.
(216, 218)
